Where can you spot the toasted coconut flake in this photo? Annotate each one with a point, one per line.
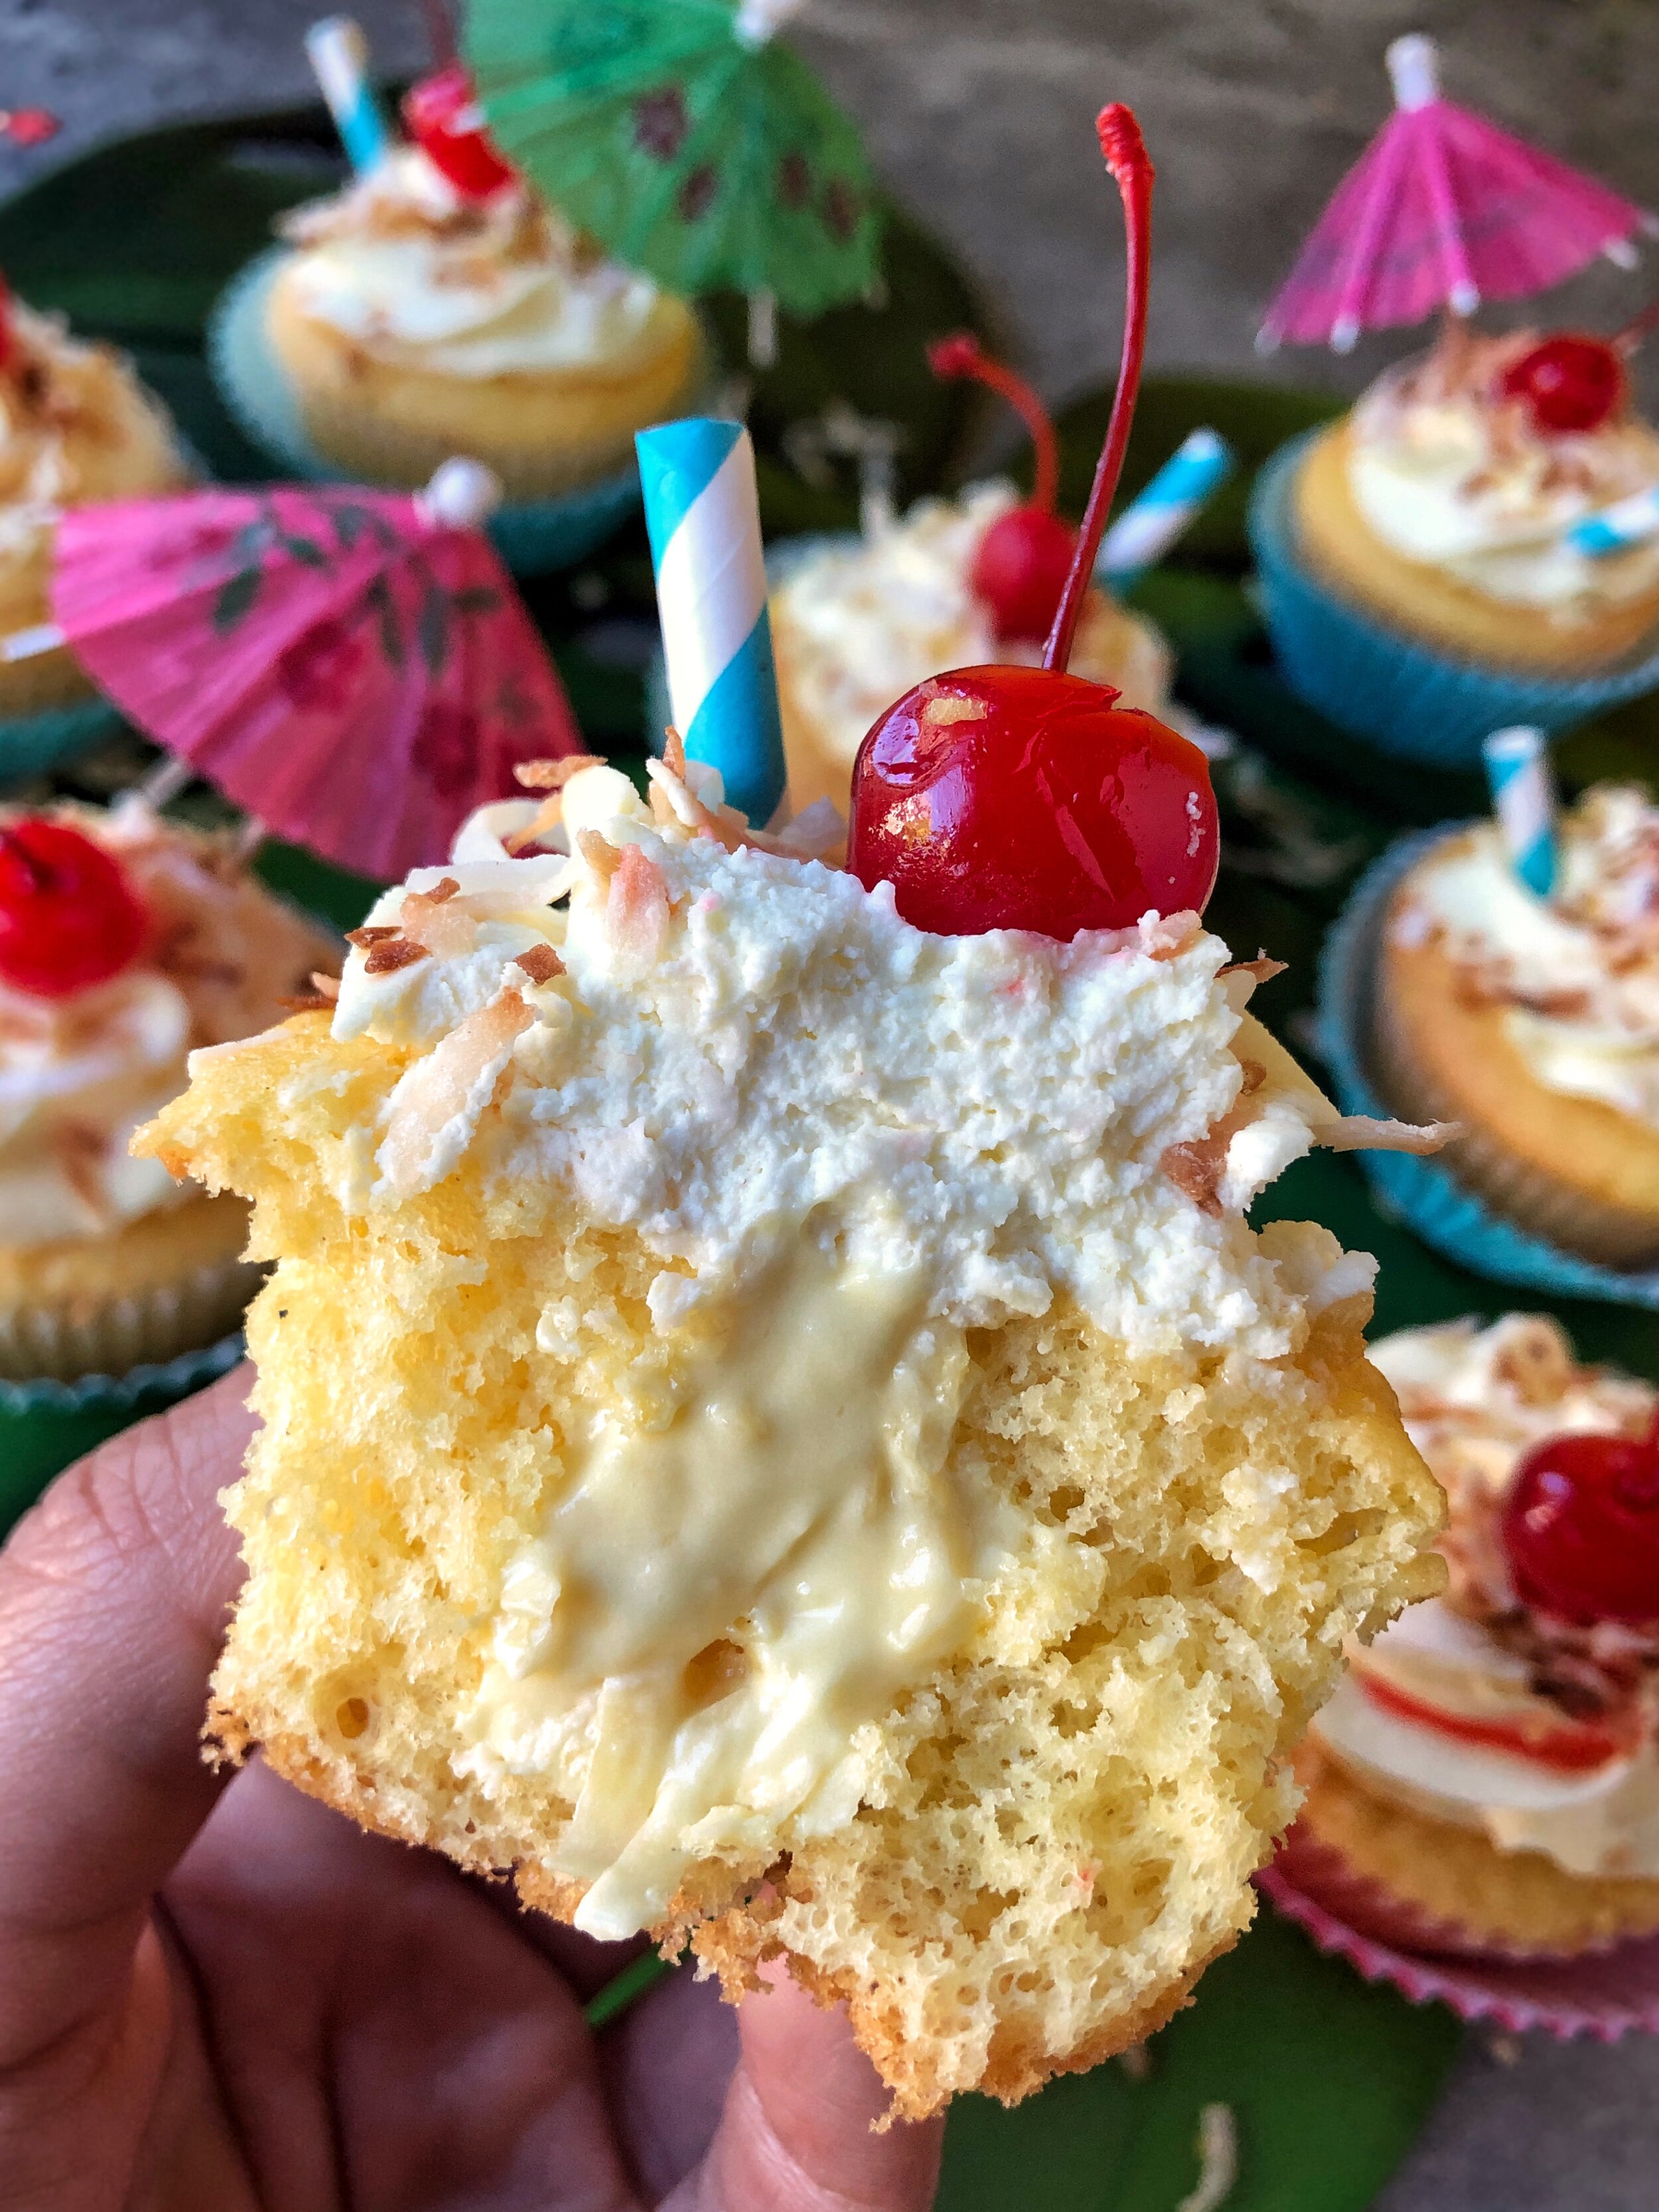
(445, 888)
(540, 962)
(673, 752)
(374, 932)
(397, 952)
(1197, 1167)
(817, 833)
(1364, 1133)
(306, 1002)
(1255, 1076)
(445, 1087)
(637, 905)
(1261, 968)
(1170, 934)
(434, 920)
(553, 774)
(326, 987)
(1218, 2160)
(600, 856)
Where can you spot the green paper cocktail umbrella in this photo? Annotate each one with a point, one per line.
(686, 140)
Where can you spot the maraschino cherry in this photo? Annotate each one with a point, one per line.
(1025, 798)
(1021, 564)
(1581, 1527)
(1572, 381)
(447, 125)
(68, 917)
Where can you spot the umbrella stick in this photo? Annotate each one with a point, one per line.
(164, 782)
(762, 327)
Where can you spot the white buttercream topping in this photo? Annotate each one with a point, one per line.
(1578, 974)
(78, 1075)
(403, 265)
(857, 626)
(746, 1048)
(1474, 1401)
(1448, 471)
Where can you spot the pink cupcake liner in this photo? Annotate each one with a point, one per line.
(1604, 1995)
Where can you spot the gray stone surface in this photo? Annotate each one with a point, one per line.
(979, 114)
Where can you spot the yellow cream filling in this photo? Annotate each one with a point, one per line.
(740, 1571)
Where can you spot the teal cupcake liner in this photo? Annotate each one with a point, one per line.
(30, 743)
(1420, 1192)
(141, 1389)
(1401, 695)
(532, 536)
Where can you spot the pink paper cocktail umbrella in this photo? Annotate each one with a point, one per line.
(1442, 210)
(353, 668)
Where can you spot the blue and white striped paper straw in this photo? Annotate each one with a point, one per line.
(703, 512)
(338, 52)
(1150, 526)
(1524, 800)
(1632, 521)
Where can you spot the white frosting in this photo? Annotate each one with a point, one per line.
(79, 1074)
(786, 1056)
(1447, 473)
(857, 626)
(403, 265)
(1578, 973)
(1473, 1401)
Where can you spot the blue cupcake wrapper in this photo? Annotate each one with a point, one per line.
(32, 743)
(1402, 696)
(1422, 1193)
(532, 536)
(140, 1389)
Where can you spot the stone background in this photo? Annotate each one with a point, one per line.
(979, 114)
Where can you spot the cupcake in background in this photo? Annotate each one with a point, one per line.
(76, 425)
(1445, 503)
(126, 943)
(439, 306)
(1486, 1779)
(1532, 1020)
(953, 584)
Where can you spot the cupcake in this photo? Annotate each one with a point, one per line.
(1486, 1777)
(1444, 503)
(855, 626)
(1419, 572)
(414, 322)
(1532, 1023)
(1005, 1497)
(76, 425)
(125, 943)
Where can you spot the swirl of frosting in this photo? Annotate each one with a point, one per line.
(1578, 974)
(1448, 471)
(1469, 1707)
(78, 1075)
(411, 272)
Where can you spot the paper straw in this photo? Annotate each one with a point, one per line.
(703, 512)
(1524, 800)
(338, 52)
(1632, 521)
(1150, 524)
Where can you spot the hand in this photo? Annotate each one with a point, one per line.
(217, 1995)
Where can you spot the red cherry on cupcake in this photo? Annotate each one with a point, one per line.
(447, 125)
(68, 917)
(1025, 798)
(1569, 382)
(1021, 564)
(1581, 1528)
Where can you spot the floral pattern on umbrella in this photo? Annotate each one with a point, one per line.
(346, 665)
(686, 140)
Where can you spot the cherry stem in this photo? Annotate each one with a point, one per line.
(441, 32)
(35, 872)
(961, 355)
(1132, 171)
(1627, 339)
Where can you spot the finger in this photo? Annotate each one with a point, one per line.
(797, 2131)
(113, 1595)
(668, 2063)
